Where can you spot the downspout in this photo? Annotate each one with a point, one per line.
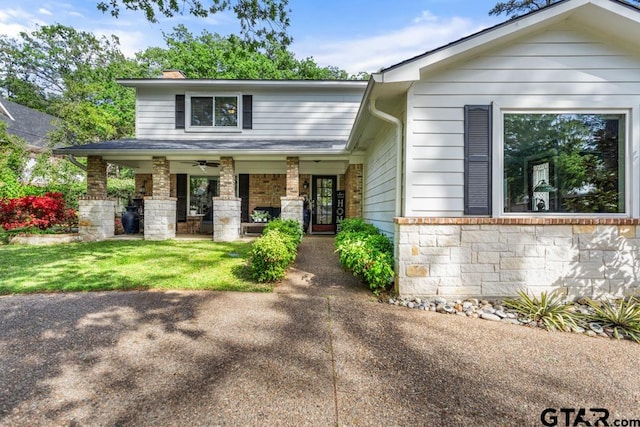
(397, 123)
(75, 161)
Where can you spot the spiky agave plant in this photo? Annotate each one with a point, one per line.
(623, 316)
(549, 310)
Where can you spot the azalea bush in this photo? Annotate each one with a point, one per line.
(366, 252)
(36, 213)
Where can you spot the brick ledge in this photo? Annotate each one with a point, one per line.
(516, 221)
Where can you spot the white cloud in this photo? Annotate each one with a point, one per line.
(370, 53)
(15, 21)
(44, 11)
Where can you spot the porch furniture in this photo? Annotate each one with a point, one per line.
(253, 226)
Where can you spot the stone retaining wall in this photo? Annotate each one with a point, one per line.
(486, 257)
(96, 219)
(159, 218)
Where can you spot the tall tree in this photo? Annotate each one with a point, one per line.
(515, 8)
(71, 74)
(260, 20)
(216, 57)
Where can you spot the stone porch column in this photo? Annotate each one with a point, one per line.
(96, 213)
(226, 208)
(160, 209)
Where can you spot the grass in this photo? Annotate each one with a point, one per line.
(127, 265)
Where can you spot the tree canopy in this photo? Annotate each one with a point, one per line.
(216, 57)
(515, 8)
(260, 20)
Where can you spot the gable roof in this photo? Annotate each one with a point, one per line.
(27, 123)
(616, 19)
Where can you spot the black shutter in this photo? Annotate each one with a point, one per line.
(477, 160)
(181, 193)
(243, 193)
(180, 112)
(247, 111)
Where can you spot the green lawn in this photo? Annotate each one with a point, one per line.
(126, 265)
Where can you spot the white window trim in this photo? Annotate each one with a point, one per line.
(218, 129)
(630, 203)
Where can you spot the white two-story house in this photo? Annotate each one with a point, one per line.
(506, 160)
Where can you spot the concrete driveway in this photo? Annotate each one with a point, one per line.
(319, 351)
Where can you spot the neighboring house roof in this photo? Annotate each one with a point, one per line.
(211, 147)
(616, 18)
(27, 123)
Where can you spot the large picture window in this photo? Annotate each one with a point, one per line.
(217, 112)
(564, 163)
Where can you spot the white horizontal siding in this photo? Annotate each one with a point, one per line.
(562, 68)
(380, 182)
(287, 114)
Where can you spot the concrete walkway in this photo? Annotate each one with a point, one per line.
(319, 351)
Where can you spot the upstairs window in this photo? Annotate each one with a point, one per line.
(564, 163)
(206, 113)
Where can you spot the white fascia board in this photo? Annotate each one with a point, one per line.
(190, 154)
(485, 38)
(246, 84)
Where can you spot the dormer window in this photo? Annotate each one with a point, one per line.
(218, 113)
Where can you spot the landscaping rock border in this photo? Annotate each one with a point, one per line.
(493, 310)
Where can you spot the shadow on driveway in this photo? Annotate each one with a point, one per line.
(318, 351)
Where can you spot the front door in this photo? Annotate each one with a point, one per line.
(323, 211)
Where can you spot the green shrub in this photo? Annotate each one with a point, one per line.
(271, 254)
(622, 316)
(290, 227)
(549, 310)
(366, 252)
(274, 251)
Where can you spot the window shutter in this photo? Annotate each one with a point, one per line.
(477, 163)
(247, 111)
(180, 111)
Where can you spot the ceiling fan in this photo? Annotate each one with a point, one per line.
(202, 164)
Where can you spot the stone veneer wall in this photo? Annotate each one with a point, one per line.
(226, 219)
(496, 257)
(292, 208)
(159, 218)
(96, 218)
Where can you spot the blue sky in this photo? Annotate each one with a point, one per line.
(356, 35)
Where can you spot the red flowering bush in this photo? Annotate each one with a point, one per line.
(36, 212)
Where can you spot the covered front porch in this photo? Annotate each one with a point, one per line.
(224, 196)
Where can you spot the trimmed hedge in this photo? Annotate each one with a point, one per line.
(366, 252)
(273, 252)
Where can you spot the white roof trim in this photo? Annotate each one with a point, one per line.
(6, 112)
(410, 70)
(309, 84)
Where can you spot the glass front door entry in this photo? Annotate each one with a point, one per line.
(323, 211)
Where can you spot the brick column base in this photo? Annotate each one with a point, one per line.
(159, 218)
(292, 208)
(226, 219)
(96, 219)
